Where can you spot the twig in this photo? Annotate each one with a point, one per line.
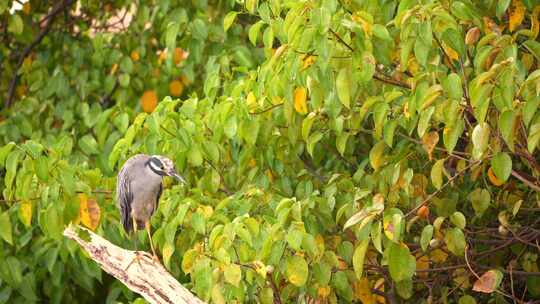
(44, 31)
(341, 40)
(428, 199)
(275, 290)
(392, 82)
(525, 181)
(267, 109)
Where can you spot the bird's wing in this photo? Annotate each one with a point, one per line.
(160, 190)
(124, 194)
(124, 197)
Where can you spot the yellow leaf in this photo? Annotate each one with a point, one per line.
(429, 141)
(323, 292)
(493, 179)
(176, 88)
(89, 212)
(135, 56)
(114, 68)
(307, 61)
(149, 101)
(300, 96)
(25, 213)
(450, 52)
(422, 263)
(438, 256)
(517, 12)
(362, 291)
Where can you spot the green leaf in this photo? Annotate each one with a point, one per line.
(466, 299)
(358, 258)
(4, 152)
(306, 125)
(502, 166)
(423, 122)
(344, 86)
(507, 121)
(41, 166)
(381, 32)
(341, 142)
(401, 263)
(254, 32)
(228, 20)
(437, 173)
(480, 199)
(15, 24)
(313, 139)
(296, 270)
(453, 39)
(502, 6)
(458, 219)
(231, 126)
(452, 86)
(405, 288)
(425, 238)
(534, 137)
(233, 274)
(88, 144)
(5, 227)
(452, 134)
(455, 241)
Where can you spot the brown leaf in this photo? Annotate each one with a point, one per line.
(429, 141)
(472, 36)
(89, 212)
(488, 282)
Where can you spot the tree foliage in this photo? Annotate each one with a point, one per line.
(335, 151)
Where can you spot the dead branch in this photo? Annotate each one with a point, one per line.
(146, 277)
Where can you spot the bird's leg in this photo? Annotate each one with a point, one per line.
(147, 226)
(138, 256)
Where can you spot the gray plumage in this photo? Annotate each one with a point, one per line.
(139, 187)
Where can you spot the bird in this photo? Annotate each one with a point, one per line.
(138, 190)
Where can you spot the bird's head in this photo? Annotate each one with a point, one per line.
(162, 166)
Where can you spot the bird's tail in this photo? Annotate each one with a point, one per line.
(127, 222)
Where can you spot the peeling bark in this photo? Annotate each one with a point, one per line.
(146, 277)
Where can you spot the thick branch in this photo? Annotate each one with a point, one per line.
(146, 277)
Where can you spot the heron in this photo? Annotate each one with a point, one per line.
(138, 189)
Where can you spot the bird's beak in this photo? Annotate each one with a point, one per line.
(177, 176)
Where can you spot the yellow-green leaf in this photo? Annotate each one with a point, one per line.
(343, 86)
(297, 270)
(233, 274)
(358, 257)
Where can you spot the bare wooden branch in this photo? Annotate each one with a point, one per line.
(145, 277)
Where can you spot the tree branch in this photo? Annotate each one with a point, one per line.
(147, 278)
(37, 40)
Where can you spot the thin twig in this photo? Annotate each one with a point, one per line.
(525, 181)
(392, 82)
(267, 109)
(341, 40)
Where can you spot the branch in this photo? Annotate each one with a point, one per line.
(147, 278)
(527, 182)
(392, 82)
(267, 109)
(44, 31)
